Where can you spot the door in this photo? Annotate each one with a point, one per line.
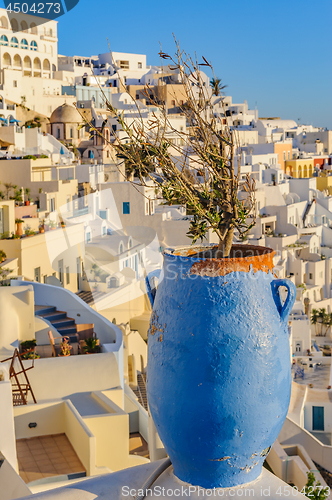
(298, 348)
(60, 269)
(37, 274)
(318, 418)
(78, 271)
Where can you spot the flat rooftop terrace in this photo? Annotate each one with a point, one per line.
(47, 456)
(319, 376)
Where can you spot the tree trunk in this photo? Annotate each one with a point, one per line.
(225, 245)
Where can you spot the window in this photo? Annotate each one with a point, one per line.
(52, 204)
(88, 237)
(44, 278)
(126, 208)
(114, 128)
(33, 45)
(104, 230)
(321, 274)
(284, 155)
(71, 133)
(137, 96)
(3, 40)
(139, 65)
(310, 276)
(14, 42)
(288, 155)
(67, 276)
(14, 83)
(58, 133)
(173, 103)
(124, 64)
(121, 247)
(37, 274)
(60, 270)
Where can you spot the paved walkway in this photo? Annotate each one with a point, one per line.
(46, 456)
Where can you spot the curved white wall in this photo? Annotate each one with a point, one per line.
(64, 300)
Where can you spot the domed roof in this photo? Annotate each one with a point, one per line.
(66, 114)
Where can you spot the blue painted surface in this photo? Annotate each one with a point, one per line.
(219, 373)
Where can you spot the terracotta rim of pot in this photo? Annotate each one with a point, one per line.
(257, 258)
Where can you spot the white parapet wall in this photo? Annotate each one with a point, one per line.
(82, 313)
(292, 434)
(291, 464)
(17, 316)
(59, 417)
(7, 434)
(129, 483)
(60, 377)
(12, 486)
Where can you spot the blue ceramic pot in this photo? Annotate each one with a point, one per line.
(219, 373)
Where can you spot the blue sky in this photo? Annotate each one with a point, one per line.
(277, 55)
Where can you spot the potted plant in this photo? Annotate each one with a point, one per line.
(30, 355)
(28, 349)
(91, 345)
(27, 201)
(29, 232)
(27, 345)
(219, 377)
(65, 347)
(3, 256)
(19, 228)
(42, 227)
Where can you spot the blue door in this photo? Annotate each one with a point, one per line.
(318, 418)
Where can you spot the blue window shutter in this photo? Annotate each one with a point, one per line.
(126, 207)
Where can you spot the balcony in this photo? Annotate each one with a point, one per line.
(49, 37)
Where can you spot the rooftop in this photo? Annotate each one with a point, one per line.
(47, 456)
(319, 376)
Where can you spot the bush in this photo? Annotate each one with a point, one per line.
(28, 344)
(30, 355)
(315, 491)
(29, 157)
(91, 345)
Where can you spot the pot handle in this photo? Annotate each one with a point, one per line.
(151, 292)
(284, 309)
